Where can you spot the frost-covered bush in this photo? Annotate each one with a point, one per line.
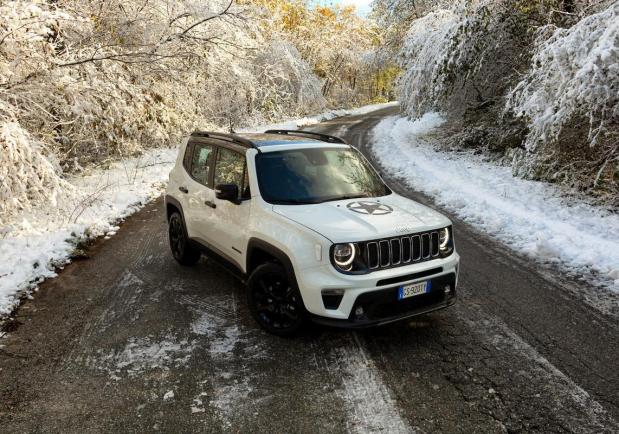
(272, 83)
(28, 173)
(424, 54)
(285, 80)
(570, 99)
(333, 40)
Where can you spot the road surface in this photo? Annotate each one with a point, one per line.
(129, 341)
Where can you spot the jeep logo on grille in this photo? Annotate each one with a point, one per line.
(369, 207)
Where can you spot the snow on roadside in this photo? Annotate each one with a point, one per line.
(294, 124)
(39, 241)
(531, 217)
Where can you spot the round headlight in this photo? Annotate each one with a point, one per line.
(343, 254)
(443, 238)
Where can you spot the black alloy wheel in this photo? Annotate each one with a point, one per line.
(273, 301)
(182, 250)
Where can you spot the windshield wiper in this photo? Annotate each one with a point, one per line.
(315, 201)
(344, 197)
(292, 202)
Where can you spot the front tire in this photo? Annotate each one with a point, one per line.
(182, 250)
(274, 302)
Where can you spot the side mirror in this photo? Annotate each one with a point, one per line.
(227, 192)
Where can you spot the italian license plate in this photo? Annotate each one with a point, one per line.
(413, 289)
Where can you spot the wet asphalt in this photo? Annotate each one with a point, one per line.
(127, 340)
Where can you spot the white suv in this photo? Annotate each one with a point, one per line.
(312, 229)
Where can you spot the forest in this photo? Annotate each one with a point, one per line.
(532, 84)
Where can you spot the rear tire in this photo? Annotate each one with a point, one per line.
(182, 250)
(274, 302)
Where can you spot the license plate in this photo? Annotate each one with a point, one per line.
(413, 289)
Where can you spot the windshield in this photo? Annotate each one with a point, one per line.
(316, 175)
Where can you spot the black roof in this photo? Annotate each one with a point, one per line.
(269, 137)
(307, 134)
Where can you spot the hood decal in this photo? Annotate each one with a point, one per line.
(369, 207)
(353, 220)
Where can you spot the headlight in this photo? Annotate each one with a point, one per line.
(344, 255)
(443, 238)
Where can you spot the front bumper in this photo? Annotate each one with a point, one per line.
(376, 289)
(383, 307)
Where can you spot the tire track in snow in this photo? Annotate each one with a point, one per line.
(124, 301)
(230, 347)
(235, 390)
(369, 405)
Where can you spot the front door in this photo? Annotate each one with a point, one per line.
(231, 231)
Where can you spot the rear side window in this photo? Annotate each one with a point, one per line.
(201, 157)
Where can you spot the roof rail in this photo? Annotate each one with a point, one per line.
(233, 138)
(310, 134)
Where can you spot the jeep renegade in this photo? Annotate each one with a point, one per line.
(311, 228)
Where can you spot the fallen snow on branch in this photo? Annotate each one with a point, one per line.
(573, 72)
(531, 217)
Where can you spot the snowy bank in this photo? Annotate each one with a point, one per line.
(530, 217)
(38, 241)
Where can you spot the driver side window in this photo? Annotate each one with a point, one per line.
(230, 169)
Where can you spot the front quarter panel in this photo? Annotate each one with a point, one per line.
(304, 247)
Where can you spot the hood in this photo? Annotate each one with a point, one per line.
(365, 218)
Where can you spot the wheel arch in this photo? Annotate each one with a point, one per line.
(260, 251)
(172, 205)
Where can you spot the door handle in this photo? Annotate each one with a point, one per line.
(183, 189)
(211, 204)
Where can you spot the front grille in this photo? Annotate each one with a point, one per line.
(402, 250)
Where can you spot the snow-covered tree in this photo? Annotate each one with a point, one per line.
(534, 81)
(85, 81)
(334, 41)
(570, 99)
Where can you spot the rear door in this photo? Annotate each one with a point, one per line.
(231, 224)
(179, 180)
(200, 194)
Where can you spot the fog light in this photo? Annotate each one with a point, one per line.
(359, 311)
(332, 298)
(447, 289)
